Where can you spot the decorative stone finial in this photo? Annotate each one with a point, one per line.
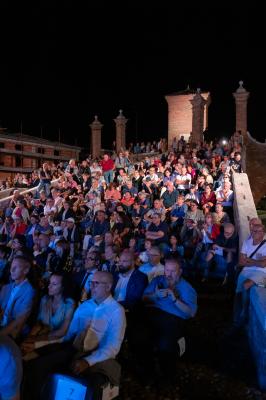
(96, 122)
(120, 116)
(188, 88)
(241, 88)
(198, 90)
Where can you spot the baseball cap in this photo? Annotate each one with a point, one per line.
(142, 192)
(70, 220)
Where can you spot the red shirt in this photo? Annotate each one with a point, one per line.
(107, 165)
(21, 229)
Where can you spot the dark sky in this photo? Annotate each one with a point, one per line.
(60, 67)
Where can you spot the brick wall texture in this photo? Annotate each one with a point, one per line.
(180, 115)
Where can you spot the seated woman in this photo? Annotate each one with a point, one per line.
(121, 229)
(220, 216)
(208, 198)
(175, 247)
(55, 314)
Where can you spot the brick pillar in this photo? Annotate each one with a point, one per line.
(96, 133)
(241, 99)
(198, 104)
(206, 113)
(120, 122)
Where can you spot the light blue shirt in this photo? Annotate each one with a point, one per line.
(10, 368)
(184, 292)
(152, 270)
(55, 320)
(108, 322)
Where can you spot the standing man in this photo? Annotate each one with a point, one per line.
(108, 167)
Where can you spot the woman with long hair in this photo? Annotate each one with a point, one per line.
(55, 314)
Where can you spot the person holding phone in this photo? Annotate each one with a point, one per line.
(169, 301)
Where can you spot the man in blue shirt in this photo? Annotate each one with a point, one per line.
(169, 300)
(16, 299)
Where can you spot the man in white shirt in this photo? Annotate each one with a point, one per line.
(253, 258)
(183, 181)
(154, 267)
(94, 337)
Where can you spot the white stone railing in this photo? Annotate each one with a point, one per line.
(4, 193)
(4, 201)
(244, 206)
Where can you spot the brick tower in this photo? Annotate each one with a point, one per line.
(180, 113)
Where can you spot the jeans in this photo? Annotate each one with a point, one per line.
(220, 265)
(45, 187)
(108, 176)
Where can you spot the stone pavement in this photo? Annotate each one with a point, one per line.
(212, 367)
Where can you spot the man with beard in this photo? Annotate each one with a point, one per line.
(169, 300)
(129, 283)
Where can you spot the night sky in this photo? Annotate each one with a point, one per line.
(60, 67)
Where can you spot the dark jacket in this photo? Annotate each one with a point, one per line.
(135, 288)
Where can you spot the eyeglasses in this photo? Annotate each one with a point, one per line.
(97, 283)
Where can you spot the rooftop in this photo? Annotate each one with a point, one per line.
(33, 139)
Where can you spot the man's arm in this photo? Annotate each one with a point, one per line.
(112, 343)
(154, 235)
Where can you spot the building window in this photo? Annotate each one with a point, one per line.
(41, 150)
(56, 153)
(18, 161)
(18, 147)
(2, 145)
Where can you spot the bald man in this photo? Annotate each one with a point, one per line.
(94, 337)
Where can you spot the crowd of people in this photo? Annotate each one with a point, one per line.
(106, 255)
